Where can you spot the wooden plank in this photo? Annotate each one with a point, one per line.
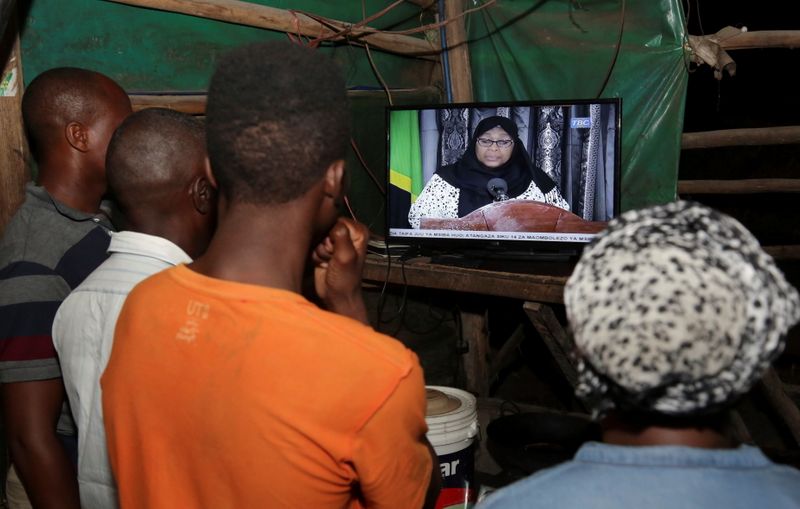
(554, 337)
(458, 52)
(762, 39)
(475, 332)
(271, 18)
(13, 146)
(783, 405)
(785, 135)
(195, 104)
(745, 186)
(191, 104)
(544, 286)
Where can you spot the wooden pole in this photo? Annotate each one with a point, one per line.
(746, 186)
(554, 337)
(191, 104)
(772, 387)
(738, 137)
(476, 361)
(13, 146)
(6, 10)
(790, 252)
(195, 104)
(762, 39)
(271, 18)
(458, 52)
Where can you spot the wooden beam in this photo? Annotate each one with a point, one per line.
(554, 337)
(6, 13)
(195, 104)
(191, 104)
(790, 252)
(772, 387)
(762, 39)
(475, 331)
(745, 186)
(13, 146)
(271, 18)
(738, 137)
(458, 52)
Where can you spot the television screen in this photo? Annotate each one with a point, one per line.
(505, 174)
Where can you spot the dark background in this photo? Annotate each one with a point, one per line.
(763, 93)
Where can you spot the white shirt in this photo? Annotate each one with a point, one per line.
(440, 199)
(83, 332)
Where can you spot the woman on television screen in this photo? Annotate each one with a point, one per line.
(494, 152)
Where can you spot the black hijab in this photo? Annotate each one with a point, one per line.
(470, 176)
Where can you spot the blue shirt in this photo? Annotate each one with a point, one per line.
(612, 476)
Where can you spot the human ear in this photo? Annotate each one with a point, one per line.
(333, 183)
(77, 136)
(202, 190)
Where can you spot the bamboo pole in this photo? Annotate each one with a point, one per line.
(271, 18)
(458, 52)
(737, 137)
(746, 186)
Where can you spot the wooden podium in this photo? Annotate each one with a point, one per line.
(516, 216)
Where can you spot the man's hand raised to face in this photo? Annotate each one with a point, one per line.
(338, 262)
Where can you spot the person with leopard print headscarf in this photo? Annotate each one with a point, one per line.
(676, 312)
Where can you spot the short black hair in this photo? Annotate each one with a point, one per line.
(151, 154)
(277, 117)
(59, 96)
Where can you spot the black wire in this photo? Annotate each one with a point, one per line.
(381, 297)
(616, 51)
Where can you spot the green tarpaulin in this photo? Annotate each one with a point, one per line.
(562, 49)
(519, 50)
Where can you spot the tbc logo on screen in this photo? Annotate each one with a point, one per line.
(581, 123)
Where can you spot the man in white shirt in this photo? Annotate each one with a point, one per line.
(158, 173)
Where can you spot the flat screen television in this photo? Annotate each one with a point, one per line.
(539, 178)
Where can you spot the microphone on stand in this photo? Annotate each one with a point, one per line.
(498, 188)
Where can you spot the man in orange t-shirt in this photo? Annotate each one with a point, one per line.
(226, 387)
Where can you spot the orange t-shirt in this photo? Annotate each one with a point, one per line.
(227, 395)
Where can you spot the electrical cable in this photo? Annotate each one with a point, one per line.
(445, 57)
(366, 167)
(616, 50)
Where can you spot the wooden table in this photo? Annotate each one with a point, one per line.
(539, 287)
(538, 284)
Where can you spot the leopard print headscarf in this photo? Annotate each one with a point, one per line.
(677, 310)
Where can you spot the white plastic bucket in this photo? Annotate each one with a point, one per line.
(452, 420)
